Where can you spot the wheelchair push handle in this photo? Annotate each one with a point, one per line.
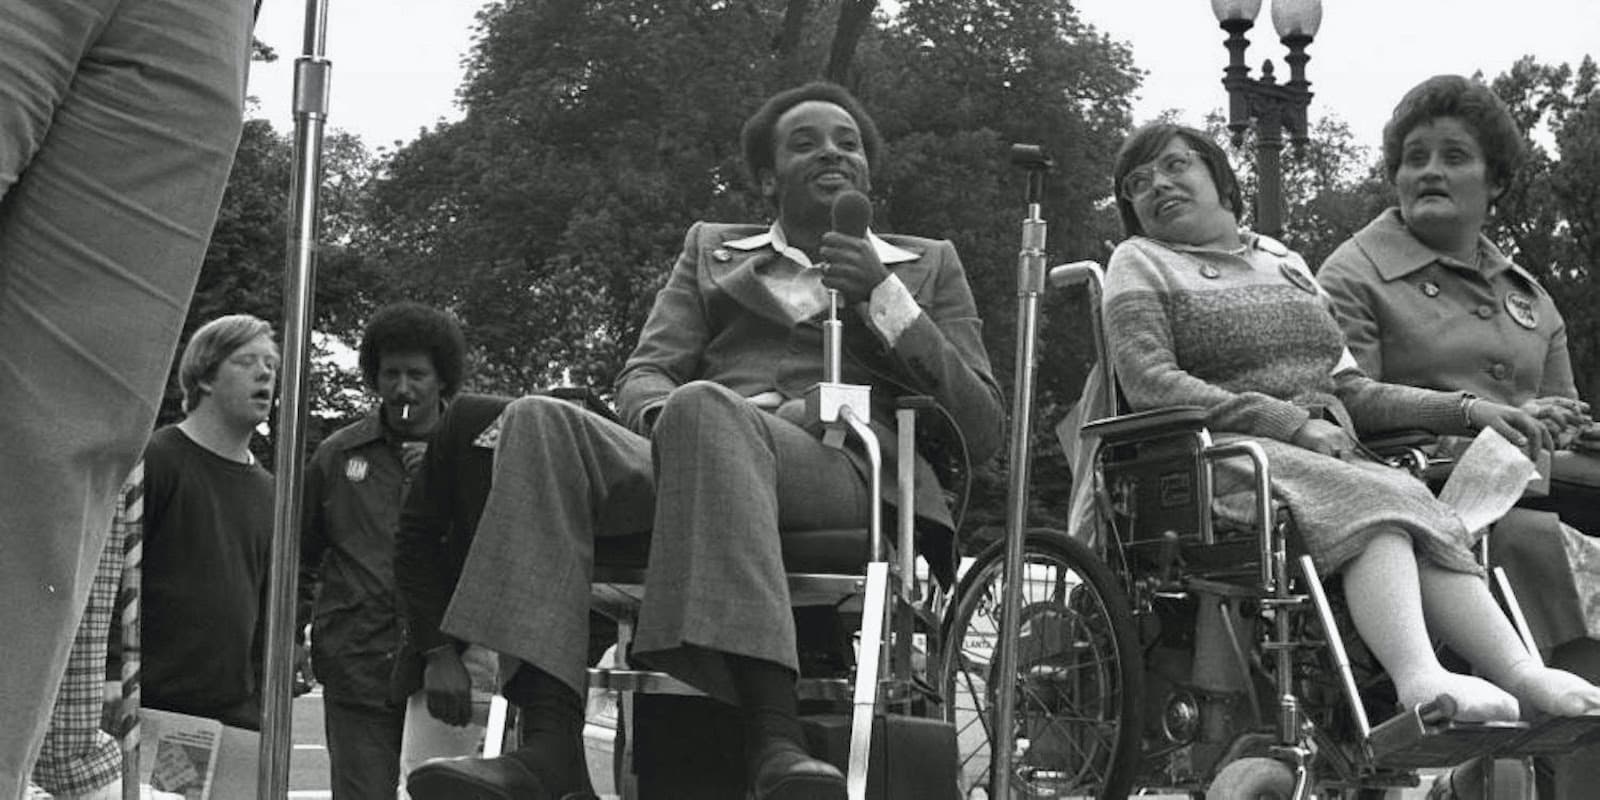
(1078, 272)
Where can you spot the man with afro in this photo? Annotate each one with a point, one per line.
(412, 357)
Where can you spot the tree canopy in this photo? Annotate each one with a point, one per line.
(1549, 219)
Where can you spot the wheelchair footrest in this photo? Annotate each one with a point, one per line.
(1554, 736)
(1419, 738)
(641, 681)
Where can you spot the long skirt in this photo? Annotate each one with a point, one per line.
(1338, 506)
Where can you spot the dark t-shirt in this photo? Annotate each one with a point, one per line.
(207, 540)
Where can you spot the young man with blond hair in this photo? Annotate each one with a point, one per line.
(207, 530)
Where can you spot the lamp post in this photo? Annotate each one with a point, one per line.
(1274, 107)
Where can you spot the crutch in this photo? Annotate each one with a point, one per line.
(311, 73)
(1030, 283)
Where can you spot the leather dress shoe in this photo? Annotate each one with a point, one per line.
(499, 778)
(786, 772)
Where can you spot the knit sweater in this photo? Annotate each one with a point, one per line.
(1247, 335)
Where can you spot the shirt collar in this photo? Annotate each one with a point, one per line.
(1249, 241)
(1396, 253)
(774, 238)
(366, 430)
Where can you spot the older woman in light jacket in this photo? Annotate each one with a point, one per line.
(1426, 299)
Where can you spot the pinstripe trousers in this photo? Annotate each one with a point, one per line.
(716, 482)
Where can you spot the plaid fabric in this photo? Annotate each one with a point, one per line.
(78, 757)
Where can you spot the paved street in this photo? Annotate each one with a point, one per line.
(308, 763)
(308, 766)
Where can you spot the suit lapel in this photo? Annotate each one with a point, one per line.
(914, 274)
(734, 272)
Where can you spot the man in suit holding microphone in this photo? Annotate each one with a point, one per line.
(718, 457)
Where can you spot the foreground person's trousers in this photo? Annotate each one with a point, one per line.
(118, 124)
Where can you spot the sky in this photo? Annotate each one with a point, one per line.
(397, 63)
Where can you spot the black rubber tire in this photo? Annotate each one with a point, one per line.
(1078, 635)
(1252, 778)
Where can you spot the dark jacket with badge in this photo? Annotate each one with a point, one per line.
(1414, 318)
(437, 523)
(353, 491)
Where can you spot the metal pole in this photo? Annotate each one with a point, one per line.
(310, 111)
(1269, 170)
(1030, 283)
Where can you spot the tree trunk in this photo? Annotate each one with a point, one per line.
(786, 45)
(853, 18)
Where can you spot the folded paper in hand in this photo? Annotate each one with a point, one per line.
(1487, 481)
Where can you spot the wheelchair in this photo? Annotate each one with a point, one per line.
(1160, 649)
(868, 604)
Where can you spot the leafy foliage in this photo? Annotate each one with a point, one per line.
(1549, 219)
(245, 264)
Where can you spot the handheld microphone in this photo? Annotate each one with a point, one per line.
(852, 213)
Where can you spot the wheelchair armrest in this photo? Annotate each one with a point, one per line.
(586, 397)
(1156, 423)
(920, 402)
(945, 449)
(1398, 441)
(1411, 449)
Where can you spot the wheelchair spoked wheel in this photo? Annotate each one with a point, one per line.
(1079, 682)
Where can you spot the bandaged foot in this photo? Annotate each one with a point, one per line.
(1476, 700)
(1552, 691)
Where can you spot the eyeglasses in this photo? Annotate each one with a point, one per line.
(1139, 180)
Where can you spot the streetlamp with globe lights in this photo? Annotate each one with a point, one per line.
(1274, 107)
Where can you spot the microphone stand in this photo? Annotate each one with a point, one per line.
(311, 75)
(1030, 283)
(846, 408)
(832, 387)
(832, 340)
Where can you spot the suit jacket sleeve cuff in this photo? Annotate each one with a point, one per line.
(892, 309)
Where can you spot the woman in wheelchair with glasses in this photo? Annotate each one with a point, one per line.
(1426, 299)
(1199, 313)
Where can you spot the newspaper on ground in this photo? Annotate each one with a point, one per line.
(195, 758)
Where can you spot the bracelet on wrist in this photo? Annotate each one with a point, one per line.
(1468, 400)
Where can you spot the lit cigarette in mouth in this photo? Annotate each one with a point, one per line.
(405, 411)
